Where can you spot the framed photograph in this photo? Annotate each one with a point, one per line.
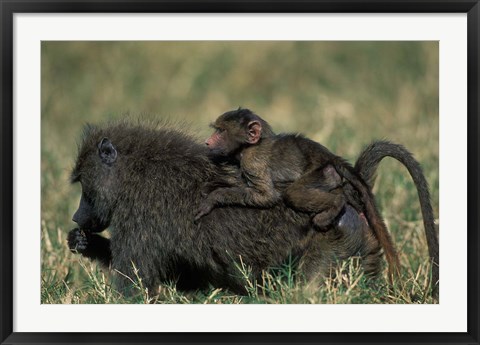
(244, 172)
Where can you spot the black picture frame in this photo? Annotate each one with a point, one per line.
(9, 8)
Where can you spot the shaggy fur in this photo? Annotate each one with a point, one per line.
(147, 198)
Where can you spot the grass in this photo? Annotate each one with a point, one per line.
(342, 94)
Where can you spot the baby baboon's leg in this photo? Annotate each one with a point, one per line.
(320, 192)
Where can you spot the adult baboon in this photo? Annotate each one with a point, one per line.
(143, 184)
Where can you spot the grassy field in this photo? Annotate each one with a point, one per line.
(342, 94)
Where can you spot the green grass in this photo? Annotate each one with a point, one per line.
(342, 94)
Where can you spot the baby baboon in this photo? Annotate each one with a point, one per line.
(269, 163)
(267, 159)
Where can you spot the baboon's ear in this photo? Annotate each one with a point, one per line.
(107, 152)
(254, 132)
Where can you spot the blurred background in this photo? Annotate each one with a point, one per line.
(342, 94)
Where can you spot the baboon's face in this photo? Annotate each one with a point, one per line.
(223, 141)
(95, 171)
(87, 216)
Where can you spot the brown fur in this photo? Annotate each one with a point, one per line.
(144, 197)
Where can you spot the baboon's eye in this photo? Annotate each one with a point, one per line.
(75, 178)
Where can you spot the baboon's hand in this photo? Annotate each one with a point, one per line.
(77, 240)
(204, 209)
(207, 188)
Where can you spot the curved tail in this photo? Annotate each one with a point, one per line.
(367, 165)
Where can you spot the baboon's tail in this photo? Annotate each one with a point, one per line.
(374, 218)
(367, 165)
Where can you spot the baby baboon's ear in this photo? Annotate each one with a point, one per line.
(107, 152)
(254, 132)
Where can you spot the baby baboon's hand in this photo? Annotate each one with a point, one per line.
(207, 188)
(205, 208)
(77, 240)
